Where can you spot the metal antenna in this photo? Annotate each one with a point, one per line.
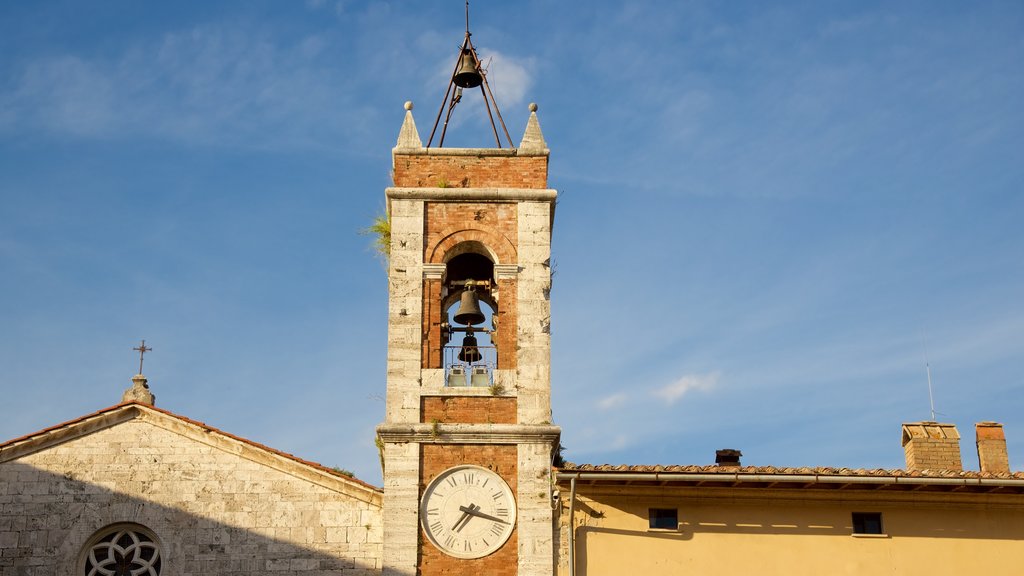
(928, 371)
(931, 399)
(142, 349)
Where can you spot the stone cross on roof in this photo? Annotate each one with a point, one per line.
(139, 390)
(142, 349)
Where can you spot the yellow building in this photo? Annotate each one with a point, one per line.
(932, 518)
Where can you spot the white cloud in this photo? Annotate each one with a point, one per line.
(207, 85)
(676, 390)
(508, 77)
(613, 401)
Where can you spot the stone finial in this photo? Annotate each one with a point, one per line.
(139, 391)
(409, 137)
(533, 138)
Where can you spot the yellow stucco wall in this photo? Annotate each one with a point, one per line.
(734, 531)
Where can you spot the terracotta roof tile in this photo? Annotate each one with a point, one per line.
(774, 470)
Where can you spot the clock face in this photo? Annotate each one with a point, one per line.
(468, 511)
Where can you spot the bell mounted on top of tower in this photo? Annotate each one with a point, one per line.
(469, 73)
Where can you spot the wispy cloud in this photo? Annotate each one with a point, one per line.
(671, 393)
(207, 85)
(613, 401)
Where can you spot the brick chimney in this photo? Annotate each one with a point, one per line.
(992, 456)
(931, 446)
(728, 457)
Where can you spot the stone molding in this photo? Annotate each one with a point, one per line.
(473, 152)
(469, 433)
(472, 194)
(433, 271)
(506, 271)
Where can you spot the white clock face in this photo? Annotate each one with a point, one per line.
(468, 511)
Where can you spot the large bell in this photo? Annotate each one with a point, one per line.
(467, 75)
(469, 353)
(469, 309)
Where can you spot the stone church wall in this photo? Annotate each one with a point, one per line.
(214, 507)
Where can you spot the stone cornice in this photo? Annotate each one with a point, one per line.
(472, 194)
(470, 433)
(433, 271)
(505, 271)
(473, 152)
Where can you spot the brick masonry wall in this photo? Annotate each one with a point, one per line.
(933, 454)
(436, 458)
(214, 512)
(469, 171)
(433, 343)
(469, 409)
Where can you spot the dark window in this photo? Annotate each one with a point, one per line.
(664, 518)
(867, 523)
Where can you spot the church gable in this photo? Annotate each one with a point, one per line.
(213, 502)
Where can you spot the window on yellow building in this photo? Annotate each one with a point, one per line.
(663, 518)
(867, 523)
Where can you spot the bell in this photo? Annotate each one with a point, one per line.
(469, 309)
(469, 353)
(467, 76)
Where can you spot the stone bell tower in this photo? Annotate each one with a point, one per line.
(467, 438)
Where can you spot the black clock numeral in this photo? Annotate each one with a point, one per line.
(497, 495)
(496, 529)
(436, 526)
(451, 481)
(449, 541)
(468, 477)
(438, 494)
(432, 511)
(501, 511)
(468, 547)
(486, 480)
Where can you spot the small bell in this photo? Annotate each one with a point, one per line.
(469, 309)
(469, 353)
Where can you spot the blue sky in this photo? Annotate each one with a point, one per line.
(771, 215)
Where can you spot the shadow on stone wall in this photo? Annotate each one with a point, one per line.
(47, 519)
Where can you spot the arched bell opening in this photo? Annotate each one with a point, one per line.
(469, 310)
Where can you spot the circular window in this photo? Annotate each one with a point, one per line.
(123, 550)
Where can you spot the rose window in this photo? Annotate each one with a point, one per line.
(123, 552)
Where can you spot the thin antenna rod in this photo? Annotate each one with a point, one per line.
(467, 17)
(931, 399)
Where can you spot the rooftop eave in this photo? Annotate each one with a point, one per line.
(795, 481)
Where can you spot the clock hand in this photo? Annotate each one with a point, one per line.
(462, 521)
(475, 511)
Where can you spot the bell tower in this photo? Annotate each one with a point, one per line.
(467, 441)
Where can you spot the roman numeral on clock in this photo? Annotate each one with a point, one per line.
(496, 529)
